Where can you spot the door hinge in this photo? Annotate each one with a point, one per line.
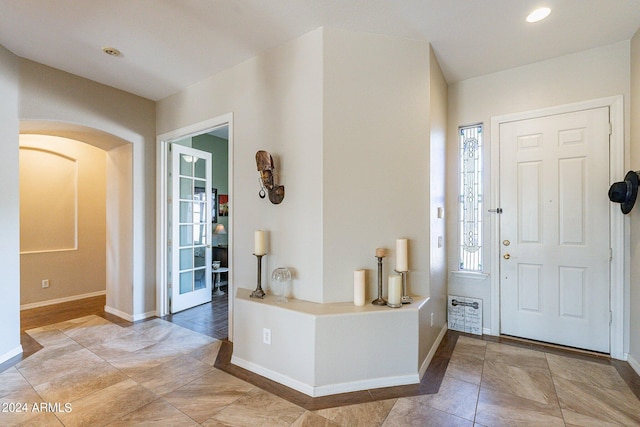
(497, 210)
(610, 128)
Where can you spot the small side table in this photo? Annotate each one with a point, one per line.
(216, 275)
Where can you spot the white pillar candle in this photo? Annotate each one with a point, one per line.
(358, 288)
(260, 245)
(402, 263)
(395, 290)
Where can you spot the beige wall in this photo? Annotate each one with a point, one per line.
(634, 301)
(82, 269)
(438, 91)
(10, 208)
(375, 159)
(347, 117)
(56, 103)
(592, 74)
(276, 103)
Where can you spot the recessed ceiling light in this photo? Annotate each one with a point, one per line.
(538, 14)
(111, 51)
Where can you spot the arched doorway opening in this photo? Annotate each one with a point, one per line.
(119, 205)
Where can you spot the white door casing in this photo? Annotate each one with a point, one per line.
(162, 194)
(555, 246)
(190, 227)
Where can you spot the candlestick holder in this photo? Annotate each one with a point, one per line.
(406, 299)
(380, 300)
(258, 293)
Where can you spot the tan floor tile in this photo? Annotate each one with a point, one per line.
(455, 397)
(204, 397)
(594, 373)
(207, 353)
(107, 405)
(157, 413)
(85, 379)
(408, 412)
(529, 383)
(121, 346)
(363, 414)
(95, 334)
(45, 419)
(11, 382)
(171, 375)
(148, 357)
(173, 335)
(472, 347)
(621, 406)
(502, 409)
(310, 419)
(82, 322)
(17, 406)
(49, 352)
(573, 419)
(465, 368)
(64, 364)
(515, 356)
(49, 336)
(260, 408)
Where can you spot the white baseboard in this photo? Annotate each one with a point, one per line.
(12, 353)
(325, 390)
(60, 300)
(486, 331)
(127, 316)
(272, 375)
(432, 351)
(634, 363)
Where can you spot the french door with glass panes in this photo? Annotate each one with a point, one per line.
(190, 228)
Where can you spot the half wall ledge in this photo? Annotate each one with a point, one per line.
(325, 349)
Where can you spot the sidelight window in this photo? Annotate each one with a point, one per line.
(470, 198)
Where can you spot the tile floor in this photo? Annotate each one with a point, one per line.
(91, 372)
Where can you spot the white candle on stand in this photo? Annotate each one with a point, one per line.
(260, 245)
(402, 263)
(358, 288)
(395, 290)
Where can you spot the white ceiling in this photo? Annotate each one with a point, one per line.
(168, 45)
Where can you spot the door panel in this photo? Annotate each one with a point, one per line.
(191, 227)
(554, 178)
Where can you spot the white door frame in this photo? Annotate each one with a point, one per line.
(619, 281)
(162, 298)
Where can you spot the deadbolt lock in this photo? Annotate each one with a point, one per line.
(506, 256)
(506, 242)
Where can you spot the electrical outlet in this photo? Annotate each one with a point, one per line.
(45, 283)
(266, 336)
(431, 319)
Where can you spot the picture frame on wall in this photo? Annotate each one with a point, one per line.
(214, 205)
(223, 205)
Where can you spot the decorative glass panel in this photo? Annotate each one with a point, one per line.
(470, 198)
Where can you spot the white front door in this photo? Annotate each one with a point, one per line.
(190, 224)
(554, 229)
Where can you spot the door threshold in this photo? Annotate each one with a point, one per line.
(545, 346)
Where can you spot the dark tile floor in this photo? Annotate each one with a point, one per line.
(209, 319)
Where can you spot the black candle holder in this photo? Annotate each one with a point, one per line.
(258, 293)
(380, 300)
